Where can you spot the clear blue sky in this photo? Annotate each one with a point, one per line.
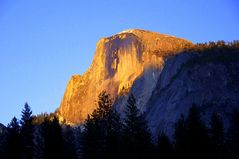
(44, 42)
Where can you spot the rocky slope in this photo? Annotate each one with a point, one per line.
(130, 59)
(209, 81)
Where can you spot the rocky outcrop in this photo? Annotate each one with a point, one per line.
(129, 61)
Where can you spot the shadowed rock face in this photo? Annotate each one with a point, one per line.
(212, 85)
(129, 61)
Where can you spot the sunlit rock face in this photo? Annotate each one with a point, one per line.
(129, 61)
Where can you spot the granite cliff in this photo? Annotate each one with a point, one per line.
(118, 62)
(166, 74)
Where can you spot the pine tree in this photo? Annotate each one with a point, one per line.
(233, 136)
(197, 137)
(98, 128)
(136, 135)
(180, 137)
(89, 140)
(165, 148)
(70, 151)
(103, 107)
(26, 115)
(14, 147)
(78, 140)
(217, 137)
(3, 133)
(113, 130)
(53, 142)
(38, 143)
(27, 130)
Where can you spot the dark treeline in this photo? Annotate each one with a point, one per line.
(213, 46)
(105, 135)
(216, 52)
